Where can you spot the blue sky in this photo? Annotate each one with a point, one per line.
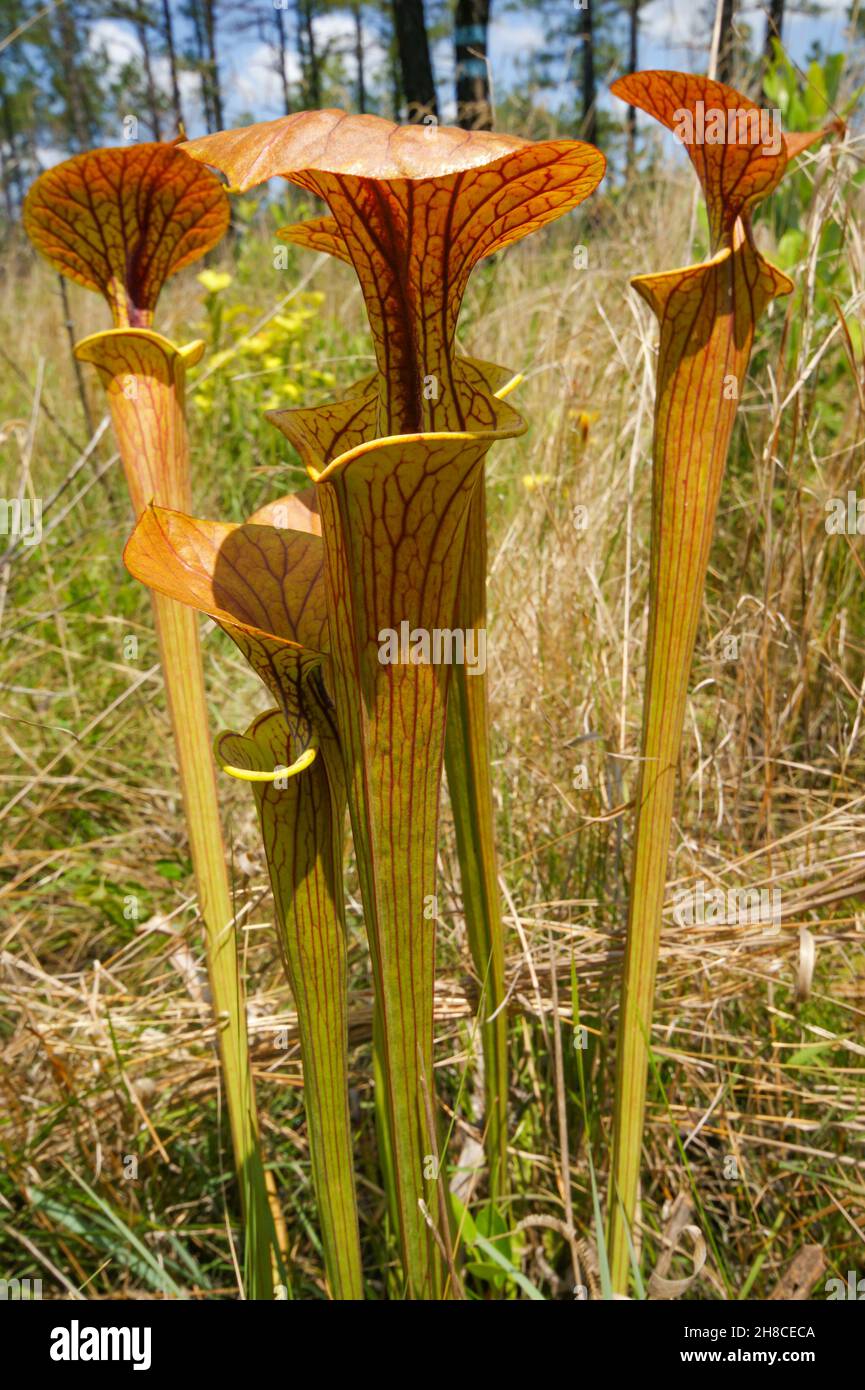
(673, 34)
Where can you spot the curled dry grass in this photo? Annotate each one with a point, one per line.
(755, 1096)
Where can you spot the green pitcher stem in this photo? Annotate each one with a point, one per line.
(391, 713)
(177, 632)
(467, 761)
(144, 376)
(303, 826)
(323, 1026)
(707, 315)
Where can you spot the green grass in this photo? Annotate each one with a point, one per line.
(109, 1050)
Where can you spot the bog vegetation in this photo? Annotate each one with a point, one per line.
(466, 1050)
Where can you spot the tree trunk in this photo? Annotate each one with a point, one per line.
(67, 53)
(11, 167)
(474, 106)
(282, 58)
(633, 46)
(358, 56)
(6, 180)
(589, 126)
(414, 59)
(774, 27)
(209, 10)
(312, 68)
(149, 84)
(396, 92)
(168, 35)
(198, 29)
(727, 42)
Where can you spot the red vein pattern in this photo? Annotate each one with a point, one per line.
(144, 376)
(469, 777)
(396, 514)
(302, 826)
(121, 221)
(263, 584)
(413, 211)
(707, 315)
(734, 175)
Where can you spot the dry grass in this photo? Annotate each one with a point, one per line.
(758, 1039)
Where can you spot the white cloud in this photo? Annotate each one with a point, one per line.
(671, 35)
(49, 155)
(510, 39)
(252, 82)
(120, 46)
(118, 43)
